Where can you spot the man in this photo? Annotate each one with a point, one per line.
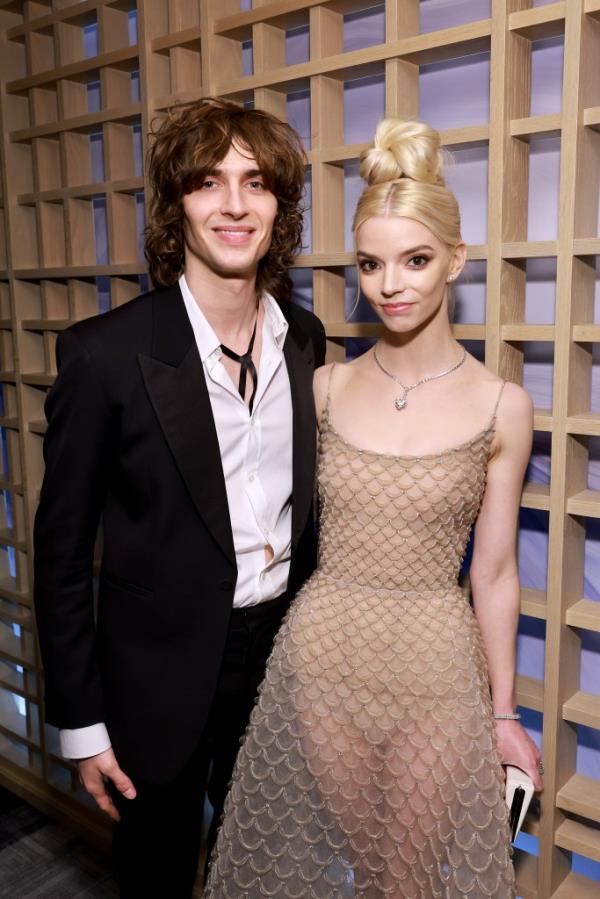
(183, 420)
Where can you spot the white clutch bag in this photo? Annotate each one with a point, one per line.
(519, 792)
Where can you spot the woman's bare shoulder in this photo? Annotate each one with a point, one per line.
(321, 378)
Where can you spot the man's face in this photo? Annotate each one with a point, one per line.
(229, 218)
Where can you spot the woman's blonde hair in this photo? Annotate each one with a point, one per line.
(403, 174)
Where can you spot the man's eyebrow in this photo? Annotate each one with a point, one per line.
(249, 173)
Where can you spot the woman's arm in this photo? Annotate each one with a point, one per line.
(494, 573)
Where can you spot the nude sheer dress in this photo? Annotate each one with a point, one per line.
(369, 768)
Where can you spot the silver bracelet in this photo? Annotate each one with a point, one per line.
(508, 716)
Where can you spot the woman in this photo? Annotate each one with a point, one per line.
(371, 767)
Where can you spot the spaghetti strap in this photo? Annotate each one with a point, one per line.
(499, 397)
(327, 410)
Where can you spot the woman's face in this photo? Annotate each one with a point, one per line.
(404, 270)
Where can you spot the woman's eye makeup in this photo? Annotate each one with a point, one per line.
(417, 261)
(367, 265)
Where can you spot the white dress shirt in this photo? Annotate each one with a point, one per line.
(256, 454)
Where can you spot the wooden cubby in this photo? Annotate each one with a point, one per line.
(63, 163)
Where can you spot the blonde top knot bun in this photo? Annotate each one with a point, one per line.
(403, 150)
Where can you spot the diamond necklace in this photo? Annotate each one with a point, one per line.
(400, 401)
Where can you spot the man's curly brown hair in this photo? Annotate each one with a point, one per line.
(190, 142)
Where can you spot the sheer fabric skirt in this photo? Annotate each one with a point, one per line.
(369, 768)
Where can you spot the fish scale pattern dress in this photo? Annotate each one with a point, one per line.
(369, 768)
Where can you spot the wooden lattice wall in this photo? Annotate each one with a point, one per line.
(80, 83)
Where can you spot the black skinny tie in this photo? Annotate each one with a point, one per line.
(246, 365)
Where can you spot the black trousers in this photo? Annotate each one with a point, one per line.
(156, 845)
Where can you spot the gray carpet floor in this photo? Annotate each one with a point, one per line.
(39, 859)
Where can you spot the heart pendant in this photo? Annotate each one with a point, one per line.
(400, 402)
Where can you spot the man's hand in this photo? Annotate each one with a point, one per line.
(93, 773)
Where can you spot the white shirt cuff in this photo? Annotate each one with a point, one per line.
(82, 742)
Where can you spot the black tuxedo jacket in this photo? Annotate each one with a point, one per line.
(131, 442)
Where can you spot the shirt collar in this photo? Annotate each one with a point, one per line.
(207, 341)
(276, 320)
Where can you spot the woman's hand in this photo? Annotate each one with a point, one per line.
(517, 748)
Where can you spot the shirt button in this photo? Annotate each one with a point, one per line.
(251, 477)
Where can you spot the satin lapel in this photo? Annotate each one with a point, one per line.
(300, 363)
(174, 379)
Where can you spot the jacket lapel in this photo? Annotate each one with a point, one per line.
(299, 357)
(174, 379)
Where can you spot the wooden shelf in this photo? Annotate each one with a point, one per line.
(284, 14)
(14, 659)
(530, 249)
(530, 693)
(580, 796)
(185, 38)
(522, 332)
(7, 538)
(542, 420)
(540, 22)
(80, 12)
(468, 332)
(20, 737)
(583, 708)
(12, 488)
(421, 49)
(86, 124)
(14, 688)
(81, 271)
(342, 259)
(584, 423)
(533, 603)
(476, 252)
(23, 618)
(37, 427)
(38, 380)
(586, 333)
(591, 117)
(586, 503)
(584, 613)
(166, 100)
(577, 837)
(45, 324)
(536, 496)
(8, 591)
(83, 191)
(586, 246)
(536, 125)
(125, 58)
